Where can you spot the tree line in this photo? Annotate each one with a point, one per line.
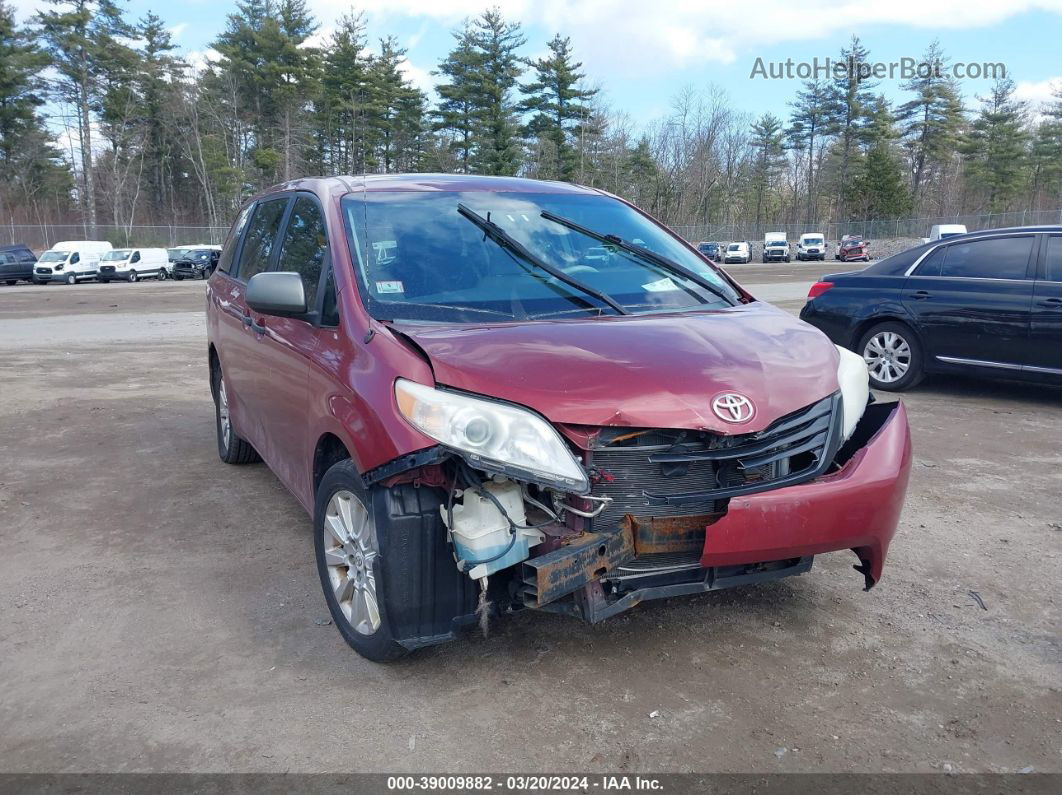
(102, 123)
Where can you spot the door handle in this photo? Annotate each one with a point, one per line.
(920, 295)
(255, 327)
(1052, 303)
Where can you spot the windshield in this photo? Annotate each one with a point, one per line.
(54, 256)
(418, 258)
(813, 240)
(776, 242)
(707, 247)
(116, 254)
(176, 253)
(853, 241)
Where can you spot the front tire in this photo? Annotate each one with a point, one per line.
(350, 564)
(893, 355)
(132, 276)
(232, 448)
(71, 278)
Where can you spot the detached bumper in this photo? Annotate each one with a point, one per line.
(857, 507)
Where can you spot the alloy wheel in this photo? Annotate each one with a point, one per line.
(349, 551)
(223, 413)
(888, 356)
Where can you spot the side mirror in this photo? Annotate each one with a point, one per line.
(279, 294)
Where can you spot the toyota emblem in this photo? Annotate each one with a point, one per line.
(732, 407)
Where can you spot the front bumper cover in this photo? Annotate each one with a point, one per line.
(857, 507)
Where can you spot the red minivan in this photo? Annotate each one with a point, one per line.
(497, 394)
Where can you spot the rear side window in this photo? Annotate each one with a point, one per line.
(930, 266)
(304, 246)
(995, 258)
(261, 234)
(225, 261)
(1054, 259)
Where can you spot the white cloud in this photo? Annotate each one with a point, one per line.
(669, 34)
(199, 60)
(421, 78)
(176, 30)
(1038, 92)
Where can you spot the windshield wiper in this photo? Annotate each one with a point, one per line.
(514, 246)
(641, 252)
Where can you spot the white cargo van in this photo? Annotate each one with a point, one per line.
(737, 252)
(70, 261)
(942, 231)
(131, 264)
(775, 247)
(812, 246)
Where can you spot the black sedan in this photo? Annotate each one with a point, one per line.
(16, 262)
(196, 263)
(985, 303)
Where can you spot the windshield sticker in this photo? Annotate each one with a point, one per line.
(390, 287)
(662, 286)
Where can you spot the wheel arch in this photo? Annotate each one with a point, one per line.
(328, 451)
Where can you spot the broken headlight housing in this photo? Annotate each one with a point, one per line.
(854, 380)
(491, 435)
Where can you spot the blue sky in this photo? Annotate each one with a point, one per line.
(642, 53)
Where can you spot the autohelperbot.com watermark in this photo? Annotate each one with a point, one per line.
(900, 69)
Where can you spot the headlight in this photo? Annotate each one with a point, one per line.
(494, 436)
(854, 380)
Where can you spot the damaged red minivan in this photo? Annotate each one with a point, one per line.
(498, 394)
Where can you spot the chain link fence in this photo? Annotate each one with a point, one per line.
(870, 229)
(41, 237)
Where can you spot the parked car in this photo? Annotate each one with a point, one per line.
(987, 303)
(16, 263)
(944, 231)
(196, 263)
(70, 261)
(812, 246)
(461, 422)
(132, 264)
(737, 252)
(713, 251)
(178, 252)
(775, 247)
(852, 248)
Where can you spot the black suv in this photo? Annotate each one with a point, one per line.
(195, 263)
(16, 262)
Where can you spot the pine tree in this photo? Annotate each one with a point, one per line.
(812, 122)
(1046, 153)
(995, 149)
(556, 98)
(929, 123)
(495, 42)
(851, 94)
(458, 98)
(80, 35)
(878, 188)
(160, 73)
(396, 109)
(344, 99)
(768, 158)
(29, 163)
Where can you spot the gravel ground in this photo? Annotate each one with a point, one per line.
(160, 611)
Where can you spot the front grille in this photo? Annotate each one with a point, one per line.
(106, 269)
(44, 271)
(672, 472)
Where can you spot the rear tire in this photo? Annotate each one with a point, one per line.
(178, 278)
(893, 355)
(232, 449)
(11, 282)
(351, 566)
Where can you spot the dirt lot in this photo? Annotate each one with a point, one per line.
(160, 610)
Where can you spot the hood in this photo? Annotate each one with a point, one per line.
(656, 371)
